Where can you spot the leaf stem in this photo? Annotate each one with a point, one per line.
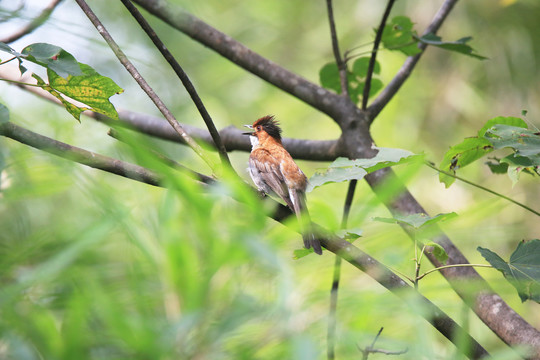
(483, 188)
(451, 266)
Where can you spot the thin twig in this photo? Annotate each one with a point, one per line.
(332, 316)
(371, 349)
(34, 24)
(372, 59)
(183, 77)
(450, 266)
(342, 66)
(143, 84)
(403, 74)
(483, 188)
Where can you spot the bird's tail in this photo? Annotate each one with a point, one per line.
(300, 209)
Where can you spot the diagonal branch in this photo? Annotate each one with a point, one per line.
(371, 65)
(143, 84)
(314, 95)
(34, 24)
(342, 66)
(435, 316)
(183, 77)
(403, 74)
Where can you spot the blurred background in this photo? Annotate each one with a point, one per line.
(103, 267)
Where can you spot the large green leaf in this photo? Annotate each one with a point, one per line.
(90, 88)
(53, 58)
(329, 77)
(459, 46)
(343, 169)
(523, 269)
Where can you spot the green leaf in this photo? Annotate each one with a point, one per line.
(523, 269)
(399, 35)
(71, 108)
(53, 58)
(329, 77)
(497, 167)
(438, 251)
(343, 169)
(502, 120)
(462, 154)
(90, 88)
(360, 67)
(417, 221)
(459, 46)
(4, 114)
(300, 253)
(524, 141)
(350, 234)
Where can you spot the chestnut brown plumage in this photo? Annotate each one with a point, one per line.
(274, 171)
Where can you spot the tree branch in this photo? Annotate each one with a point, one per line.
(143, 84)
(371, 65)
(342, 66)
(183, 78)
(233, 138)
(34, 24)
(403, 74)
(316, 96)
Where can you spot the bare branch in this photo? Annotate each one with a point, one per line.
(183, 77)
(342, 66)
(316, 96)
(371, 65)
(403, 74)
(34, 24)
(317, 150)
(143, 84)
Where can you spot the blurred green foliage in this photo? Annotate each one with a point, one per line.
(98, 267)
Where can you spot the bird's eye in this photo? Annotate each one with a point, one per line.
(259, 128)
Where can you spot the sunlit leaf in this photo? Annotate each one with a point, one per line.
(523, 269)
(350, 234)
(91, 88)
(360, 67)
(459, 46)
(502, 120)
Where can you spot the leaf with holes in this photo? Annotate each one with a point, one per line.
(523, 269)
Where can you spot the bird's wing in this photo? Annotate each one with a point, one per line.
(267, 175)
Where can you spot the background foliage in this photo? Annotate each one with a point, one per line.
(97, 266)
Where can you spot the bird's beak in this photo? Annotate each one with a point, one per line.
(249, 133)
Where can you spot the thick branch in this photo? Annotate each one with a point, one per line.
(317, 150)
(316, 96)
(403, 74)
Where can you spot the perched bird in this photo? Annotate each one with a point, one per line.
(274, 171)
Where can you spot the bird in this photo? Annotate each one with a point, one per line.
(274, 171)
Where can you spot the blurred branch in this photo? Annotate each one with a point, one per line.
(85, 157)
(403, 74)
(349, 252)
(314, 95)
(34, 24)
(371, 65)
(143, 84)
(342, 66)
(183, 78)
